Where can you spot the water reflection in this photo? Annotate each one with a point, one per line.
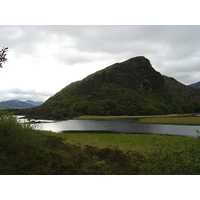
(121, 126)
(112, 125)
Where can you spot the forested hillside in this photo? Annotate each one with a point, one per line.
(132, 87)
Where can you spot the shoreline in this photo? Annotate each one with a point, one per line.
(111, 132)
(170, 119)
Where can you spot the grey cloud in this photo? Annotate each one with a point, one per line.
(172, 50)
(21, 91)
(106, 38)
(178, 40)
(23, 94)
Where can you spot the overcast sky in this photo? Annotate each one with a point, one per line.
(44, 59)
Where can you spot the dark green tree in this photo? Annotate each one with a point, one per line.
(3, 54)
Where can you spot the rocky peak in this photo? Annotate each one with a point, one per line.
(135, 73)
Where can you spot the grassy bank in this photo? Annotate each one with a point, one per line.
(174, 119)
(26, 151)
(96, 117)
(171, 120)
(131, 117)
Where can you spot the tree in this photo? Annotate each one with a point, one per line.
(3, 54)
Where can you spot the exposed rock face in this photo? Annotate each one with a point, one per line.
(135, 73)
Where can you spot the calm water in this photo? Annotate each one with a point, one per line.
(114, 125)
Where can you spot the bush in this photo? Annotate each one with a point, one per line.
(15, 136)
(169, 157)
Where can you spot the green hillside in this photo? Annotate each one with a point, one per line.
(2, 107)
(132, 87)
(14, 104)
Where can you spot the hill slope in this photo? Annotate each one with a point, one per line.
(34, 103)
(180, 90)
(132, 87)
(15, 104)
(195, 85)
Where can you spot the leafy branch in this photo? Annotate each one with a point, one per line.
(3, 54)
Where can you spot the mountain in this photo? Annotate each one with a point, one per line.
(2, 107)
(132, 87)
(16, 104)
(195, 85)
(180, 90)
(34, 103)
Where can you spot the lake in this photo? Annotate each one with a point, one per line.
(113, 125)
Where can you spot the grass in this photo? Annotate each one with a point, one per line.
(94, 117)
(24, 150)
(172, 120)
(123, 142)
(130, 117)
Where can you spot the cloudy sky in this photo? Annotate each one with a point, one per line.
(44, 59)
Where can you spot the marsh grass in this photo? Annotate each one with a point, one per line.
(123, 142)
(172, 120)
(95, 117)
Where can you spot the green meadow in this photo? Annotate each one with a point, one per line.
(123, 142)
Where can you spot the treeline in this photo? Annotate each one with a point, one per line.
(110, 99)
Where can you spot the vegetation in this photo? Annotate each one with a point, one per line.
(26, 151)
(172, 120)
(133, 117)
(14, 104)
(114, 101)
(129, 88)
(124, 142)
(3, 54)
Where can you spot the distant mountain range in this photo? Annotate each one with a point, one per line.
(195, 85)
(17, 104)
(132, 87)
(34, 103)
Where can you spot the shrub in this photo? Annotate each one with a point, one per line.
(14, 136)
(169, 156)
